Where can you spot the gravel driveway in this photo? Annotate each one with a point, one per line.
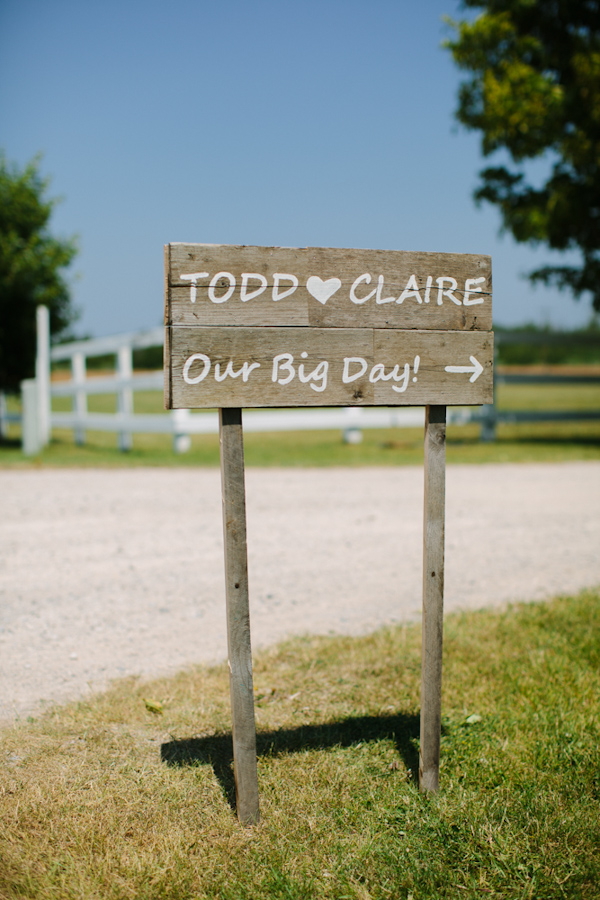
(105, 573)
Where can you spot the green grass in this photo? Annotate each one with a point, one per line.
(515, 443)
(104, 799)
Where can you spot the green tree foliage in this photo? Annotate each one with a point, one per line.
(535, 92)
(31, 261)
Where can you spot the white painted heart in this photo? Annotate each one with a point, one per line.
(322, 290)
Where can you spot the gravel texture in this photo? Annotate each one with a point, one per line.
(107, 573)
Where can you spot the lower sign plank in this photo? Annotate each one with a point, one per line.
(261, 367)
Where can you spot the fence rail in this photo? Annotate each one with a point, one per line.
(514, 378)
(37, 423)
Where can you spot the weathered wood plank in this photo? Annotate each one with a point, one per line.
(262, 367)
(167, 370)
(238, 615)
(167, 293)
(433, 597)
(431, 356)
(212, 284)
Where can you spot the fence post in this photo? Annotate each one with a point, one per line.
(42, 373)
(488, 410)
(181, 437)
(30, 418)
(352, 432)
(3, 416)
(78, 374)
(125, 393)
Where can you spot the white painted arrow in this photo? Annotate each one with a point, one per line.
(476, 369)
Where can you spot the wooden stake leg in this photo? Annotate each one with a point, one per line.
(433, 597)
(238, 615)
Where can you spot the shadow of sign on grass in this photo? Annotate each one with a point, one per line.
(217, 750)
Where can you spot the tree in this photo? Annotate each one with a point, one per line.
(31, 261)
(535, 92)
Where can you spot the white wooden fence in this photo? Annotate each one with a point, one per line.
(38, 419)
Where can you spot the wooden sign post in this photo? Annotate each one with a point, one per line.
(284, 327)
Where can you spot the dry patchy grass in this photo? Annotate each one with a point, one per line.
(107, 799)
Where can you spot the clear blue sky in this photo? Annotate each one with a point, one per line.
(318, 122)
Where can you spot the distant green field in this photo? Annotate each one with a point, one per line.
(399, 446)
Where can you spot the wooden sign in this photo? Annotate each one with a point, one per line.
(274, 326)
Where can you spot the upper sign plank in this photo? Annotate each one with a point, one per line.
(215, 284)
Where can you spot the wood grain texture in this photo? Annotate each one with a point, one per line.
(420, 376)
(238, 615)
(166, 274)
(167, 369)
(383, 277)
(433, 597)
